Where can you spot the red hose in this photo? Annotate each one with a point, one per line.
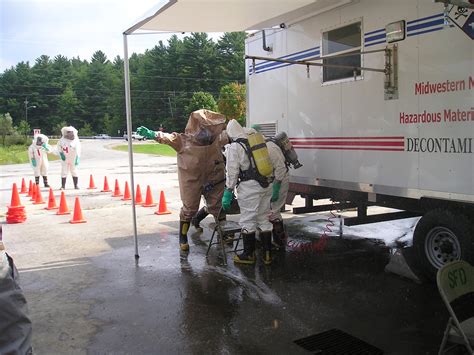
(317, 245)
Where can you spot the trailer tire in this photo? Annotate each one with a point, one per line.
(442, 236)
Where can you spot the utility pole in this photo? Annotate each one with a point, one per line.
(26, 108)
(171, 109)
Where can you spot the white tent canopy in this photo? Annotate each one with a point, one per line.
(214, 16)
(227, 15)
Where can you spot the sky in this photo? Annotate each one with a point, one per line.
(31, 28)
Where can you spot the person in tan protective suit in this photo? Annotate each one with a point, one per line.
(201, 168)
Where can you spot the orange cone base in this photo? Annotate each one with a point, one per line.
(51, 208)
(149, 205)
(109, 190)
(79, 221)
(162, 212)
(63, 213)
(16, 214)
(16, 219)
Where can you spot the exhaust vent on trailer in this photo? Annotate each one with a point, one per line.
(269, 130)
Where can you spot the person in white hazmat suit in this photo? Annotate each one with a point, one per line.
(253, 196)
(281, 185)
(37, 153)
(69, 150)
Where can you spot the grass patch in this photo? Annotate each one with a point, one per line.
(155, 149)
(17, 154)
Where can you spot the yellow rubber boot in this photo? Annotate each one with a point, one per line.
(183, 235)
(248, 255)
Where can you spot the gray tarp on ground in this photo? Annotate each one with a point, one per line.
(15, 326)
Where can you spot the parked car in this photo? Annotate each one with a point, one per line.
(102, 136)
(135, 135)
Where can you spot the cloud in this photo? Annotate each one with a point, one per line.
(31, 28)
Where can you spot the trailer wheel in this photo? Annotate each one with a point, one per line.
(442, 236)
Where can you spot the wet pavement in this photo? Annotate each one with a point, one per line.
(87, 294)
(174, 303)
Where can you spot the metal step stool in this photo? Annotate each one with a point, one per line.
(221, 229)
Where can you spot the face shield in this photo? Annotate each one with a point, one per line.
(204, 137)
(39, 141)
(69, 135)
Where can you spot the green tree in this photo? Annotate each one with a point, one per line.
(201, 100)
(94, 90)
(69, 105)
(86, 130)
(230, 54)
(24, 128)
(163, 82)
(6, 126)
(232, 103)
(56, 130)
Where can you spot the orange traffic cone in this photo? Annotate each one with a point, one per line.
(138, 196)
(33, 194)
(106, 186)
(149, 198)
(30, 189)
(23, 186)
(38, 197)
(15, 201)
(51, 201)
(91, 183)
(77, 216)
(126, 194)
(63, 209)
(117, 192)
(16, 212)
(162, 209)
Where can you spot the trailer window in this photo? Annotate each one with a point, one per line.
(343, 40)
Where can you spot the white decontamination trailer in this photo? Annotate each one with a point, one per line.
(378, 99)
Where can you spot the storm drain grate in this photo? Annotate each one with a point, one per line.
(335, 342)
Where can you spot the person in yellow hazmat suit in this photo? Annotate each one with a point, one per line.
(201, 168)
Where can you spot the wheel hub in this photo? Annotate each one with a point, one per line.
(442, 246)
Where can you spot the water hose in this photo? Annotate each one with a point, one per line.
(317, 245)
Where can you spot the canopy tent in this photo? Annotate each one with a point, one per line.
(214, 16)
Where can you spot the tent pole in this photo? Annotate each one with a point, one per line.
(128, 102)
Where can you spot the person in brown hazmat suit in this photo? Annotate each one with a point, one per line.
(201, 168)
